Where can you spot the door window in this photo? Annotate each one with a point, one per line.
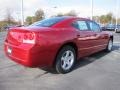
(81, 25)
(94, 26)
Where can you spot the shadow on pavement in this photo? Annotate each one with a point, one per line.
(87, 60)
(80, 63)
(90, 59)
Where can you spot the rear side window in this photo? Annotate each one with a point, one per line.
(81, 25)
(48, 22)
(94, 26)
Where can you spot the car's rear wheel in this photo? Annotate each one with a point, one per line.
(109, 46)
(65, 60)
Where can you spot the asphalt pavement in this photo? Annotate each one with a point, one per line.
(100, 71)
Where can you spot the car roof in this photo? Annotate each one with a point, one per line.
(67, 20)
(72, 17)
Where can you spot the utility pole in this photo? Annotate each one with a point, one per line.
(55, 7)
(117, 4)
(91, 9)
(22, 13)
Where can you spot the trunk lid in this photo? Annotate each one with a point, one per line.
(16, 36)
(29, 34)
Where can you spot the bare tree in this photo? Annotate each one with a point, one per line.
(39, 15)
(71, 13)
(29, 20)
(8, 18)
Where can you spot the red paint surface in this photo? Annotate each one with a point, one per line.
(48, 41)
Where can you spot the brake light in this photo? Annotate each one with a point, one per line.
(29, 38)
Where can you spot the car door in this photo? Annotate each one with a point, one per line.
(100, 38)
(85, 38)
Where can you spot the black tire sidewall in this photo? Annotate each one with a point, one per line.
(58, 66)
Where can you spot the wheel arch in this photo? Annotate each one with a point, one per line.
(72, 44)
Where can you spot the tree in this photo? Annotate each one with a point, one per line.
(39, 15)
(71, 13)
(96, 18)
(9, 19)
(29, 20)
(109, 17)
(104, 19)
(60, 14)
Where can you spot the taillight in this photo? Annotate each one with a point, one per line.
(29, 37)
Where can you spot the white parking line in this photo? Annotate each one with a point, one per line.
(116, 53)
(116, 42)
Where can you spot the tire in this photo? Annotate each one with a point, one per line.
(65, 60)
(109, 46)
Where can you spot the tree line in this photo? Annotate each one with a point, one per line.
(103, 19)
(40, 14)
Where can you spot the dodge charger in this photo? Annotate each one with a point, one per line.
(56, 42)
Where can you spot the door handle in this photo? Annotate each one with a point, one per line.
(95, 34)
(78, 35)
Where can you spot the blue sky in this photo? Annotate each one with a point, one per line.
(82, 7)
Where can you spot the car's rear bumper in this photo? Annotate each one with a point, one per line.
(27, 55)
(110, 29)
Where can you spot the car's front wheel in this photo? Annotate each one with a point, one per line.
(65, 60)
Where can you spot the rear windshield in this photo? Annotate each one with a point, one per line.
(48, 22)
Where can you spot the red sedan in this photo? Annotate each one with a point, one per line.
(56, 42)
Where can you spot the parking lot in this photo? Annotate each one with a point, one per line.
(100, 71)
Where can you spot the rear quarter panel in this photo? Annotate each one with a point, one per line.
(51, 41)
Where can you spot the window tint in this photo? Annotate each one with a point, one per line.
(94, 27)
(81, 25)
(48, 22)
(75, 24)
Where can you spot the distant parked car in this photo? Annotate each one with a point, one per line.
(6, 28)
(11, 26)
(103, 28)
(117, 29)
(56, 42)
(110, 27)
